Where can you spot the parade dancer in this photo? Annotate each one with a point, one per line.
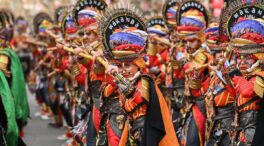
(14, 103)
(192, 20)
(243, 22)
(85, 12)
(158, 49)
(124, 36)
(17, 76)
(107, 118)
(42, 22)
(76, 74)
(174, 74)
(9, 128)
(61, 81)
(21, 46)
(219, 98)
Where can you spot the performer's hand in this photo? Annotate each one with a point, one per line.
(97, 54)
(89, 48)
(77, 50)
(111, 69)
(41, 62)
(220, 64)
(73, 59)
(57, 70)
(212, 66)
(197, 75)
(59, 46)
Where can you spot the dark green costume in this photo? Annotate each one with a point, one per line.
(18, 86)
(9, 116)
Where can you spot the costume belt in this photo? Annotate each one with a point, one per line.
(224, 112)
(196, 99)
(178, 84)
(199, 101)
(138, 123)
(60, 86)
(111, 106)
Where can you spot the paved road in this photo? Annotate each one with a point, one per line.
(37, 132)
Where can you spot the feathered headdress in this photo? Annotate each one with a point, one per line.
(156, 25)
(192, 19)
(85, 11)
(9, 20)
(2, 20)
(214, 40)
(42, 21)
(69, 26)
(244, 23)
(60, 12)
(169, 12)
(123, 32)
(3, 24)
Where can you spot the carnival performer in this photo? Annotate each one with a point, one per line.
(76, 74)
(124, 36)
(192, 20)
(219, 98)
(85, 13)
(14, 102)
(42, 22)
(174, 72)
(158, 48)
(60, 84)
(246, 73)
(21, 46)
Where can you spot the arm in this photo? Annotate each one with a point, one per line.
(243, 86)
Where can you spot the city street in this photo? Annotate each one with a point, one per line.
(37, 132)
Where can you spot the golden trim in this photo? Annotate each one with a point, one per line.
(145, 88)
(75, 69)
(193, 84)
(259, 86)
(152, 50)
(4, 60)
(200, 58)
(175, 64)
